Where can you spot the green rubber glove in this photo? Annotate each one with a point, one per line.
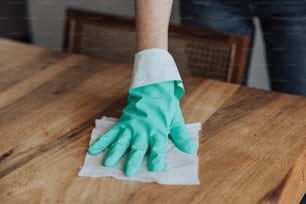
(152, 114)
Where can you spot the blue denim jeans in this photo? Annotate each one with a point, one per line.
(283, 23)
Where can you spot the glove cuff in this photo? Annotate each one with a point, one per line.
(153, 66)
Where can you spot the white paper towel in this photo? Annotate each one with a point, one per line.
(181, 168)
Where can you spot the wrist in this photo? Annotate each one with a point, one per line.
(145, 43)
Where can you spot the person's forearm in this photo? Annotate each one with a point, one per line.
(152, 21)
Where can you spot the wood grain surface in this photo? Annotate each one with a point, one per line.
(252, 143)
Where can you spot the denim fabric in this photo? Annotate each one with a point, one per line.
(303, 201)
(283, 23)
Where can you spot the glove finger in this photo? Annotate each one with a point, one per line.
(180, 135)
(104, 140)
(138, 150)
(134, 161)
(117, 149)
(182, 139)
(157, 155)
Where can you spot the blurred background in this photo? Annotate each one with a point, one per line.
(42, 22)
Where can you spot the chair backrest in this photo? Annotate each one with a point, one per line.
(197, 51)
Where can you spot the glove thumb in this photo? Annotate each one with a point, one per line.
(181, 136)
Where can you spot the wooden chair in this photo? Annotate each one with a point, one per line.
(196, 51)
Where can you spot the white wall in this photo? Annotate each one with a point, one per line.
(258, 71)
(47, 24)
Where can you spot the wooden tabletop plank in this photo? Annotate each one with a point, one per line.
(252, 145)
(25, 86)
(19, 61)
(214, 94)
(54, 110)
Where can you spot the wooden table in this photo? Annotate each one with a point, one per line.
(252, 146)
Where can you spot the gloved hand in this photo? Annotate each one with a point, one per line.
(153, 112)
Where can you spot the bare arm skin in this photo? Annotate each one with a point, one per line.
(152, 21)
